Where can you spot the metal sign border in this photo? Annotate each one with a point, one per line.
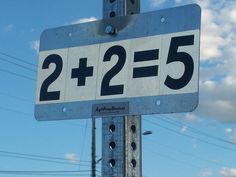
(128, 27)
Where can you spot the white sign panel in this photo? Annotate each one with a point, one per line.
(117, 77)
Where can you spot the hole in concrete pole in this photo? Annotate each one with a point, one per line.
(112, 128)
(112, 163)
(133, 146)
(133, 128)
(132, 1)
(112, 145)
(112, 14)
(111, 1)
(133, 163)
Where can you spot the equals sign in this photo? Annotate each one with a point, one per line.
(146, 71)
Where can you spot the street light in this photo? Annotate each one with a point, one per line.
(147, 133)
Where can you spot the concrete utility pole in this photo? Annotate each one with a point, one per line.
(93, 165)
(121, 136)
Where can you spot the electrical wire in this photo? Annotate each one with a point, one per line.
(17, 58)
(190, 136)
(15, 111)
(45, 171)
(84, 137)
(188, 154)
(194, 130)
(39, 156)
(49, 173)
(44, 160)
(18, 75)
(16, 64)
(170, 158)
(32, 174)
(15, 97)
(169, 121)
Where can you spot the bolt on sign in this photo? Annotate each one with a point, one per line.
(150, 65)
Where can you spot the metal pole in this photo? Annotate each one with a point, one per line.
(93, 174)
(121, 136)
(116, 8)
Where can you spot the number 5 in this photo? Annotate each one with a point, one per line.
(185, 58)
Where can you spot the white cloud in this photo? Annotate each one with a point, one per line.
(206, 173)
(226, 105)
(228, 130)
(218, 98)
(232, 134)
(178, 1)
(214, 31)
(209, 85)
(229, 172)
(220, 109)
(218, 59)
(71, 157)
(218, 47)
(211, 46)
(232, 15)
(191, 117)
(230, 80)
(84, 20)
(184, 129)
(8, 28)
(194, 143)
(233, 137)
(35, 45)
(157, 2)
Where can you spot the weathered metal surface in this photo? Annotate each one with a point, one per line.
(174, 21)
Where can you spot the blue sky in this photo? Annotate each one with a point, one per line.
(198, 144)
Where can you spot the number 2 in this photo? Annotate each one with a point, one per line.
(106, 88)
(45, 95)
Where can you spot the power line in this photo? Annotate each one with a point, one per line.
(45, 171)
(65, 122)
(194, 130)
(38, 156)
(30, 116)
(32, 174)
(16, 64)
(41, 158)
(48, 173)
(15, 111)
(15, 97)
(169, 157)
(17, 58)
(189, 154)
(19, 65)
(84, 137)
(190, 136)
(18, 75)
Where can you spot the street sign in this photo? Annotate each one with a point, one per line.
(151, 65)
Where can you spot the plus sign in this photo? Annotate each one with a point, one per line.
(82, 72)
